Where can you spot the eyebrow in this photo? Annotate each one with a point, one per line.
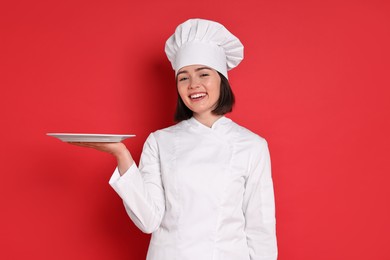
(197, 69)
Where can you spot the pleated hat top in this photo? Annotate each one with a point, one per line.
(204, 42)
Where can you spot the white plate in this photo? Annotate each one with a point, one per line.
(99, 138)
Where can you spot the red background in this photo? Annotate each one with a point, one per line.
(314, 83)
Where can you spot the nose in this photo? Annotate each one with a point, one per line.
(195, 83)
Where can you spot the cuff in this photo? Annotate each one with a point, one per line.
(115, 177)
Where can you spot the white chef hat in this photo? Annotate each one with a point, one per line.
(204, 42)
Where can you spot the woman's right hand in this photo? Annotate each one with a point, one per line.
(118, 150)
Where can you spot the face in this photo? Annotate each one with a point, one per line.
(199, 88)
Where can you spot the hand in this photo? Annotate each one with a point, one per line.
(111, 148)
(118, 150)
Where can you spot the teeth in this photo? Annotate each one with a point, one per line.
(198, 95)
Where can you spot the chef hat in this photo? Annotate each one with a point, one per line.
(204, 42)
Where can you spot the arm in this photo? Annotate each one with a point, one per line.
(141, 189)
(259, 207)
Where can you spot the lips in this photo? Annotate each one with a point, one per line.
(196, 96)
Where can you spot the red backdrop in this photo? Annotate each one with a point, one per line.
(314, 82)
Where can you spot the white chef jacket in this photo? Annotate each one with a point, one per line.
(204, 193)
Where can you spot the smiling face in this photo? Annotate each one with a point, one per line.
(199, 88)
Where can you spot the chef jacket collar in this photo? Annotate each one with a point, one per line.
(217, 124)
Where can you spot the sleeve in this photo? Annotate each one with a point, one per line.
(259, 207)
(141, 189)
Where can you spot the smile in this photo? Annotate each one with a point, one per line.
(197, 95)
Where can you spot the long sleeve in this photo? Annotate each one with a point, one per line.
(141, 189)
(259, 207)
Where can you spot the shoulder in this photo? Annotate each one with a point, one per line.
(249, 139)
(171, 130)
(245, 133)
(165, 134)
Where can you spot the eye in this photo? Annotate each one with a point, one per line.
(183, 78)
(204, 75)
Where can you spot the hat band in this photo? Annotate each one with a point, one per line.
(201, 53)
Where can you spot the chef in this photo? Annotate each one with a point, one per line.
(203, 187)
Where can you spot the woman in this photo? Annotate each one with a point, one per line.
(203, 187)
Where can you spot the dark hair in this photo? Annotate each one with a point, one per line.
(224, 104)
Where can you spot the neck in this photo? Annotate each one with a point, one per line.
(207, 120)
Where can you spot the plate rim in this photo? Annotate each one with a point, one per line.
(84, 137)
(89, 135)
